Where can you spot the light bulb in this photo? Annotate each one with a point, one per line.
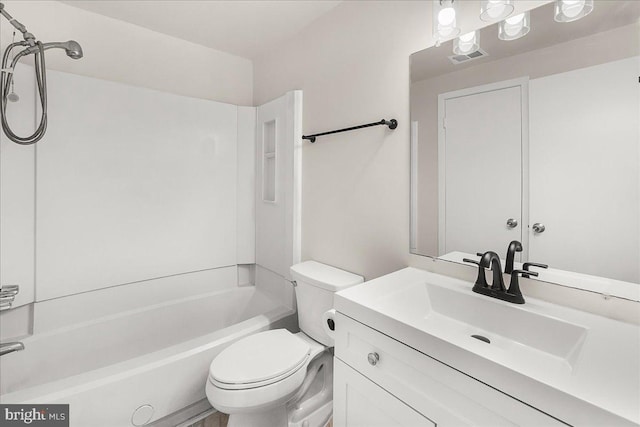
(444, 19)
(493, 10)
(467, 37)
(515, 27)
(511, 30)
(514, 20)
(572, 10)
(447, 16)
(467, 43)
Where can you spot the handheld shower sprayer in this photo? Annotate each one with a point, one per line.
(37, 48)
(72, 48)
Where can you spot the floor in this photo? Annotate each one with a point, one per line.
(217, 419)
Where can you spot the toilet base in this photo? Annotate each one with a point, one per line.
(319, 418)
(278, 417)
(312, 406)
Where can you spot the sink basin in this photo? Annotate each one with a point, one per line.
(471, 320)
(519, 336)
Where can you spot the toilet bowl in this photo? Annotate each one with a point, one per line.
(277, 378)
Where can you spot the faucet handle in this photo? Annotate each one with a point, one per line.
(515, 273)
(9, 291)
(526, 266)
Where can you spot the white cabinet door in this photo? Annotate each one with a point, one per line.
(480, 151)
(359, 402)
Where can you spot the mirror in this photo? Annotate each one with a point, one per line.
(536, 140)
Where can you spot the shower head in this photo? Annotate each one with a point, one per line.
(72, 48)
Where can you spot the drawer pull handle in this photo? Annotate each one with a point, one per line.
(373, 358)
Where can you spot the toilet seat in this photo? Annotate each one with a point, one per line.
(237, 386)
(259, 360)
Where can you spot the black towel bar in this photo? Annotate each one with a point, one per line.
(393, 123)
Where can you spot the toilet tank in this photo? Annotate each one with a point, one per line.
(316, 284)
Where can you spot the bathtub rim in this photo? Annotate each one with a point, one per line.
(59, 389)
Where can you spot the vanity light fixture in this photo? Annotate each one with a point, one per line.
(514, 27)
(494, 10)
(467, 43)
(572, 10)
(445, 25)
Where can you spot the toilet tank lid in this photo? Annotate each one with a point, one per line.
(324, 276)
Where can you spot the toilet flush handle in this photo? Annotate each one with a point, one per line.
(331, 324)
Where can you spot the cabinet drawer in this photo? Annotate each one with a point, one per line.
(437, 391)
(359, 402)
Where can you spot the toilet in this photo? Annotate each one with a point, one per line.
(277, 378)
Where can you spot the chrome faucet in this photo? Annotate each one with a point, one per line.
(10, 347)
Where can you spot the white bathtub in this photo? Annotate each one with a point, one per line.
(159, 356)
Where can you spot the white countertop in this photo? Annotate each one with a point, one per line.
(600, 385)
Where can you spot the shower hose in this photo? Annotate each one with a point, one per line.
(6, 77)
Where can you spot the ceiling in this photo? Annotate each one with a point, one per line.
(239, 27)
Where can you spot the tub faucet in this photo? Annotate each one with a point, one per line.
(10, 347)
(7, 296)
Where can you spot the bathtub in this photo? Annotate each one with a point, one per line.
(158, 356)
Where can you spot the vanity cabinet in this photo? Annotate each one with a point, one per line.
(379, 381)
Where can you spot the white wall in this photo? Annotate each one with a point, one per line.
(17, 197)
(131, 184)
(119, 51)
(246, 177)
(115, 51)
(353, 65)
(157, 196)
(278, 159)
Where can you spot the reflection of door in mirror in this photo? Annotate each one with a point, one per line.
(480, 174)
(584, 171)
(583, 142)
